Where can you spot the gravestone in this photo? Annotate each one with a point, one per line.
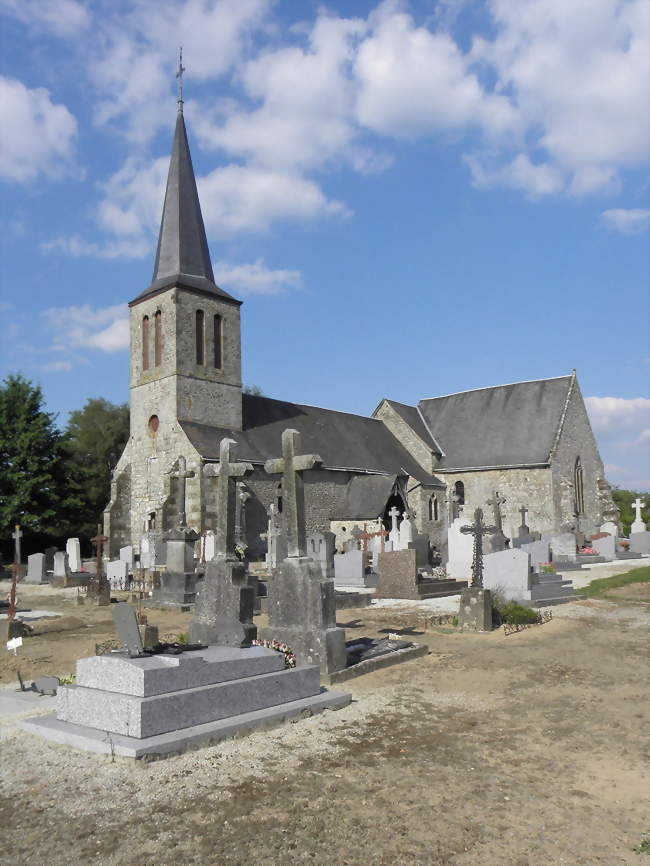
(398, 574)
(49, 558)
(563, 546)
(301, 606)
(539, 552)
(507, 571)
(610, 528)
(460, 550)
(126, 555)
(61, 567)
(177, 586)
(36, 568)
(640, 542)
(406, 532)
(73, 549)
(128, 630)
(393, 535)
(225, 600)
(638, 525)
(350, 568)
(475, 612)
(276, 542)
(117, 574)
(152, 551)
(604, 545)
(497, 539)
(321, 547)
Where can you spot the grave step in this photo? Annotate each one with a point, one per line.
(551, 602)
(539, 593)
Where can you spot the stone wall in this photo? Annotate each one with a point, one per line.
(117, 522)
(577, 441)
(419, 498)
(530, 487)
(404, 434)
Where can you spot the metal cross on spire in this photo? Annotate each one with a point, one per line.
(179, 75)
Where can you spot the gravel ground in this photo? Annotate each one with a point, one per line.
(519, 750)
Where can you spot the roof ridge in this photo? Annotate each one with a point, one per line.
(313, 406)
(493, 387)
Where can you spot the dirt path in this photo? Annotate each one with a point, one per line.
(527, 749)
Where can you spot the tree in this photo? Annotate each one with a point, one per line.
(254, 390)
(33, 488)
(95, 438)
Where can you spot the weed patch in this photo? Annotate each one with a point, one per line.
(602, 585)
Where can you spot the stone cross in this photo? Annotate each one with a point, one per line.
(17, 535)
(496, 502)
(226, 472)
(99, 541)
(394, 514)
(182, 474)
(637, 505)
(291, 465)
(523, 511)
(243, 495)
(478, 529)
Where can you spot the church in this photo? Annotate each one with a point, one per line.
(531, 441)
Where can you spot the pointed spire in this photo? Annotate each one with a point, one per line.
(182, 257)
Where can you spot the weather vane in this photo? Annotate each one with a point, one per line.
(179, 75)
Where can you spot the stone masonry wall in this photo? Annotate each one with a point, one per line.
(530, 487)
(404, 434)
(577, 440)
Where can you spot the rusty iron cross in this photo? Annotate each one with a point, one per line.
(478, 529)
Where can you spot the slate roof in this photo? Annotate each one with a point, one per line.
(508, 425)
(343, 440)
(366, 497)
(182, 257)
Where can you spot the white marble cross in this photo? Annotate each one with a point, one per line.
(638, 525)
(17, 535)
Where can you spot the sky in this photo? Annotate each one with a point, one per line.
(411, 198)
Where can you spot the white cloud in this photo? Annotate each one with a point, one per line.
(58, 366)
(60, 17)
(103, 328)
(627, 221)
(256, 279)
(413, 82)
(618, 413)
(77, 247)
(237, 198)
(133, 70)
(36, 135)
(535, 179)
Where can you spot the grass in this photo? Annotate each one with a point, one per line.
(644, 846)
(602, 586)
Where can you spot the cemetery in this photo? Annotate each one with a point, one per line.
(311, 636)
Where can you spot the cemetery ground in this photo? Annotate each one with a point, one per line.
(525, 749)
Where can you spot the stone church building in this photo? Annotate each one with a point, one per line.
(531, 441)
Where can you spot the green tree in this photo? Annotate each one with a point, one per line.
(33, 488)
(95, 438)
(254, 390)
(624, 500)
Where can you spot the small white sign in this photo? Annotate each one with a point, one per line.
(14, 643)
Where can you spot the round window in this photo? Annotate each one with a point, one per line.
(153, 425)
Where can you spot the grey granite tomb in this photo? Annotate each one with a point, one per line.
(640, 542)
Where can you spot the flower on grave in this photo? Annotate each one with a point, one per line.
(278, 646)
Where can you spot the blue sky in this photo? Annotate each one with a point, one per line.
(411, 198)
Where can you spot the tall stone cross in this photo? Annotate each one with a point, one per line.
(182, 474)
(291, 465)
(226, 473)
(99, 541)
(478, 529)
(496, 502)
(17, 535)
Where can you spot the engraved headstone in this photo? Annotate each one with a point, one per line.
(128, 631)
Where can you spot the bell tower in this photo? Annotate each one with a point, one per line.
(185, 330)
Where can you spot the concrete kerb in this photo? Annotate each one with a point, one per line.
(374, 664)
